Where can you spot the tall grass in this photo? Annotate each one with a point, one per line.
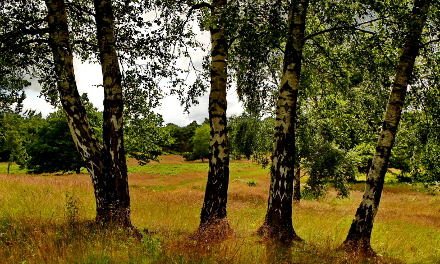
(49, 219)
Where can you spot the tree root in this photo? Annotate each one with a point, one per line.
(286, 237)
(215, 230)
(357, 247)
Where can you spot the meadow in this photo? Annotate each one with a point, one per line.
(48, 218)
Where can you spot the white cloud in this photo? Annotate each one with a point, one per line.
(234, 106)
(88, 76)
(172, 111)
(34, 102)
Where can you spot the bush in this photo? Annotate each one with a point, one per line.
(329, 164)
(252, 182)
(53, 149)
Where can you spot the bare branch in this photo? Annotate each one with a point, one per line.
(78, 9)
(201, 5)
(352, 27)
(338, 28)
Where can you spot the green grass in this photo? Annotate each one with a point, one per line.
(169, 169)
(49, 219)
(14, 169)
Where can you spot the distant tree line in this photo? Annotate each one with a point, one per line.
(45, 144)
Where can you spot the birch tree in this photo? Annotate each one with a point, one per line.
(106, 165)
(359, 235)
(213, 215)
(278, 220)
(330, 23)
(41, 41)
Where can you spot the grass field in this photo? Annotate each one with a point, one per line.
(48, 219)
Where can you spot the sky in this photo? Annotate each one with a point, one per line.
(88, 77)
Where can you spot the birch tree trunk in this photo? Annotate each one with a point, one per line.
(83, 136)
(111, 206)
(278, 221)
(359, 235)
(116, 205)
(216, 194)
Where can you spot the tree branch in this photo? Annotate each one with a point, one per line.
(335, 64)
(32, 41)
(430, 42)
(338, 28)
(74, 7)
(79, 41)
(201, 5)
(192, 8)
(20, 32)
(354, 27)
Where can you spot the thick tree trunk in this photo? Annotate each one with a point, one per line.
(278, 222)
(213, 213)
(106, 195)
(116, 205)
(83, 136)
(358, 238)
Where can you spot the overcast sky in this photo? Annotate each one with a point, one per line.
(88, 76)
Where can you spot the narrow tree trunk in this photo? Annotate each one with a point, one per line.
(278, 222)
(116, 207)
(213, 213)
(297, 179)
(359, 235)
(297, 184)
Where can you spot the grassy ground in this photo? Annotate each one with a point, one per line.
(48, 219)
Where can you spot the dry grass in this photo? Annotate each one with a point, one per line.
(47, 219)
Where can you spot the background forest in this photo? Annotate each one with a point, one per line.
(333, 93)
